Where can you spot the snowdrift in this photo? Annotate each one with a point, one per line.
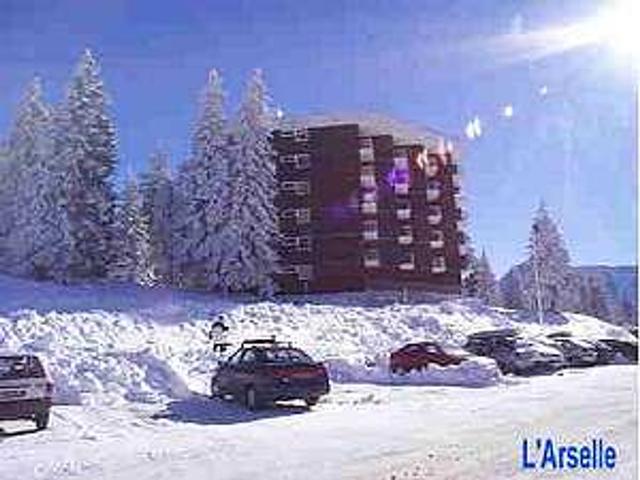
(117, 343)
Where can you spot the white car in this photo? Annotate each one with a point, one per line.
(25, 389)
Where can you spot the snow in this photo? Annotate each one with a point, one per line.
(116, 344)
(358, 432)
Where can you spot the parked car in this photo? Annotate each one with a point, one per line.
(25, 389)
(514, 353)
(415, 356)
(263, 371)
(577, 352)
(628, 349)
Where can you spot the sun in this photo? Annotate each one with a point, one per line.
(618, 26)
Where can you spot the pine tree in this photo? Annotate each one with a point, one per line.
(487, 285)
(251, 235)
(547, 271)
(206, 189)
(27, 188)
(157, 192)
(86, 149)
(133, 260)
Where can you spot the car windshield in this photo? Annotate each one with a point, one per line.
(21, 366)
(285, 355)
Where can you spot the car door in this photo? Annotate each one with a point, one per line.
(226, 375)
(246, 368)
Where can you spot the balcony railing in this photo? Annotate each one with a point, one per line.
(434, 219)
(370, 208)
(405, 239)
(368, 181)
(433, 194)
(436, 243)
(403, 214)
(370, 234)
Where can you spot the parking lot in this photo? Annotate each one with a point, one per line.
(359, 431)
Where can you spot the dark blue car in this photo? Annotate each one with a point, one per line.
(265, 371)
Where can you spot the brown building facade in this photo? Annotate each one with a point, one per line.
(360, 209)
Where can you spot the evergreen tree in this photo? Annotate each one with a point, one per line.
(207, 189)
(547, 271)
(86, 150)
(487, 286)
(133, 259)
(157, 191)
(27, 184)
(250, 237)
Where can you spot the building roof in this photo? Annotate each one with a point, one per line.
(372, 124)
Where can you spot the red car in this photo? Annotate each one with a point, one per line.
(415, 356)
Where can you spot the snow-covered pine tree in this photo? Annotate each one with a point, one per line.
(207, 189)
(27, 186)
(157, 192)
(133, 260)
(547, 270)
(87, 151)
(250, 237)
(486, 284)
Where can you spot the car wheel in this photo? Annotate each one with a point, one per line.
(311, 401)
(251, 399)
(42, 420)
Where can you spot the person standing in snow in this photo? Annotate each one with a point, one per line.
(218, 334)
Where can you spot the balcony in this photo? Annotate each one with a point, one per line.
(401, 188)
(434, 218)
(403, 213)
(367, 155)
(463, 250)
(368, 181)
(405, 239)
(436, 243)
(407, 266)
(370, 235)
(433, 194)
(369, 208)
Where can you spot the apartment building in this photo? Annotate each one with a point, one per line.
(365, 206)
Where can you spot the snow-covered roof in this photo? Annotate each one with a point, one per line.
(371, 124)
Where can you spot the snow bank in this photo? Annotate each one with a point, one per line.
(474, 372)
(116, 343)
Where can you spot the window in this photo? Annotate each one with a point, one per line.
(296, 188)
(408, 262)
(370, 208)
(287, 159)
(438, 265)
(288, 214)
(436, 239)
(286, 134)
(366, 150)
(434, 214)
(369, 196)
(304, 244)
(370, 230)
(368, 181)
(290, 242)
(249, 356)
(371, 258)
(301, 135)
(305, 272)
(433, 190)
(403, 213)
(433, 166)
(303, 161)
(401, 188)
(401, 162)
(406, 235)
(303, 216)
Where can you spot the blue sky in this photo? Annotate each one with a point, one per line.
(438, 63)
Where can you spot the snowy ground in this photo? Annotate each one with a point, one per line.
(113, 344)
(359, 432)
(130, 366)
